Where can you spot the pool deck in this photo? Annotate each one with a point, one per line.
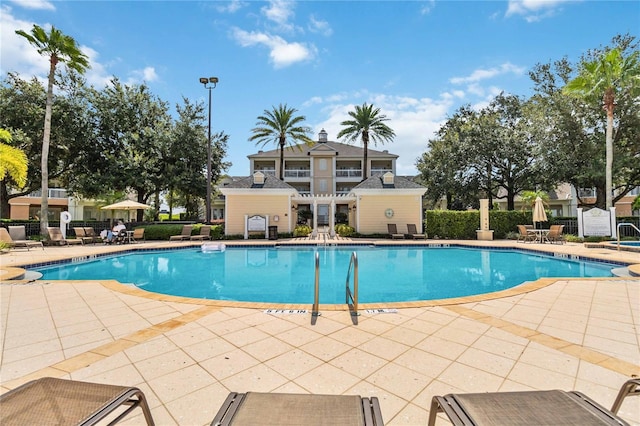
(187, 355)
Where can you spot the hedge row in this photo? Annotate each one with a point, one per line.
(462, 225)
(163, 232)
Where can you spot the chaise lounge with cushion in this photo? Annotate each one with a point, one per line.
(412, 232)
(55, 237)
(184, 235)
(393, 232)
(205, 233)
(7, 238)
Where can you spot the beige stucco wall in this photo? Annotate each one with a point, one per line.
(371, 212)
(273, 205)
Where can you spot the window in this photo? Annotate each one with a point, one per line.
(323, 185)
(322, 164)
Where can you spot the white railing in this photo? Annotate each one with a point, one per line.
(268, 172)
(297, 173)
(351, 173)
(383, 170)
(53, 193)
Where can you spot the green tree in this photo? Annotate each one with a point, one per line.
(57, 47)
(367, 124)
(13, 161)
(605, 77)
(282, 126)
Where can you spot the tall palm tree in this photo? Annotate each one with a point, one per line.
(58, 48)
(282, 126)
(367, 124)
(604, 77)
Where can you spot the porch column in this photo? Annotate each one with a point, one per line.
(314, 234)
(332, 218)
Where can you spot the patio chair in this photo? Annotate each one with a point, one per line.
(67, 402)
(90, 232)
(55, 237)
(138, 234)
(551, 407)
(393, 232)
(205, 233)
(184, 235)
(555, 234)
(81, 233)
(413, 232)
(525, 234)
(6, 238)
(282, 409)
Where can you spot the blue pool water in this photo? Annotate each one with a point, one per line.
(630, 243)
(286, 275)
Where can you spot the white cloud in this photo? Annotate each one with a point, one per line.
(231, 7)
(146, 75)
(414, 120)
(279, 12)
(281, 52)
(427, 6)
(319, 26)
(534, 10)
(484, 74)
(34, 4)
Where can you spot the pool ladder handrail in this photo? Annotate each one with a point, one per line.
(316, 297)
(625, 224)
(352, 298)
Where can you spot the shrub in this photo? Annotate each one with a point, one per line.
(344, 230)
(301, 231)
(463, 225)
(161, 232)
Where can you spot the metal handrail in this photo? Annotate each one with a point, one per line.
(316, 297)
(625, 224)
(352, 297)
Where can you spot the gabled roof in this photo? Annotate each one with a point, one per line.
(341, 149)
(270, 182)
(399, 182)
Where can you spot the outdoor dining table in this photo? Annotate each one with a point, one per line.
(541, 235)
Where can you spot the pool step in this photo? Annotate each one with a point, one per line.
(621, 272)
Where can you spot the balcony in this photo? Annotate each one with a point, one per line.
(266, 172)
(349, 173)
(375, 171)
(53, 193)
(296, 174)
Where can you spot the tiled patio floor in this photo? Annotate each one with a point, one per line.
(186, 357)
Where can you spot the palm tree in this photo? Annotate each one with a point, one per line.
(603, 77)
(281, 126)
(367, 124)
(58, 48)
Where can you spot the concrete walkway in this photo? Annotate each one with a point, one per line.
(187, 355)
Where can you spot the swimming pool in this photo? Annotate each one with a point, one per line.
(286, 274)
(630, 243)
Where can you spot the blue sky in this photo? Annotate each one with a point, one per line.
(418, 61)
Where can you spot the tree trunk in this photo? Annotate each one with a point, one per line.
(609, 156)
(282, 158)
(365, 155)
(44, 203)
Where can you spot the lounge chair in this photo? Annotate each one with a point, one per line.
(67, 402)
(551, 407)
(90, 232)
(413, 233)
(281, 409)
(555, 234)
(525, 234)
(393, 232)
(6, 238)
(138, 234)
(81, 233)
(205, 233)
(184, 235)
(55, 237)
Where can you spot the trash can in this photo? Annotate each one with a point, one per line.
(273, 232)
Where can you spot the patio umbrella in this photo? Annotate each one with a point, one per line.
(539, 215)
(126, 205)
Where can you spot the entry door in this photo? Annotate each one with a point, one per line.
(323, 214)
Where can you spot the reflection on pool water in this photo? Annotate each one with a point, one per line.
(286, 275)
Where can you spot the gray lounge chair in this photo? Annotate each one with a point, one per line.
(55, 237)
(81, 233)
(184, 235)
(413, 233)
(205, 233)
(7, 238)
(282, 409)
(551, 407)
(393, 232)
(54, 401)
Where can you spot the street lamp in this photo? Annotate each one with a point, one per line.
(206, 81)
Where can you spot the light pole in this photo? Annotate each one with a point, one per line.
(206, 81)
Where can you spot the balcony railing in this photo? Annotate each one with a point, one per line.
(267, 172)
(380, 170)
(297, 173)
(351, 173)
(53, 193)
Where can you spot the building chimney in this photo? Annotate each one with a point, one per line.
(322, 136)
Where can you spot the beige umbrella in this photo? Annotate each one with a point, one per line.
(126, 205)
(539, 215)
